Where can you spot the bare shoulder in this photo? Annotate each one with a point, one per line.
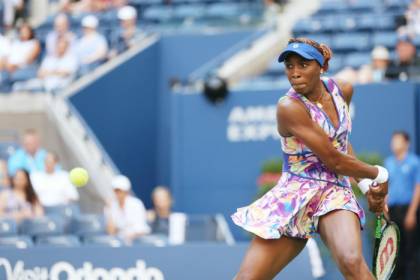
(291, 113)
(347, 90)
(289, 106)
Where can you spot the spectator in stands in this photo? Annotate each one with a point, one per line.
(21, 62)
(158, 217)
(12, 10)
(53, 185)
(91, 49)
(31, 157)
(128, 33)
(272, 12)
(369, 73)
(413, 17)
(20, 202)
(90, 6)
(403, 201)
(61, 30)
(126, 217)
(407, 64)
(375, 72)
(57, 70)
(77, 6)
(4, 51)
(4, 175)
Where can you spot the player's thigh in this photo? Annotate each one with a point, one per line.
(265, 258)
(340, 231)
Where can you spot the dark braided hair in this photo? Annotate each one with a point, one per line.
(322, 48)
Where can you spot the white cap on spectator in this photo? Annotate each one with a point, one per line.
(127, 13)
(90, 21)
(121, 182)
(380, 52)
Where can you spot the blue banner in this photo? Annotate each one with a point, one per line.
(188, 262)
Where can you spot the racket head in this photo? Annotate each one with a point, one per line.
(386, 250)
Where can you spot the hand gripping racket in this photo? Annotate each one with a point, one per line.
(387, 240)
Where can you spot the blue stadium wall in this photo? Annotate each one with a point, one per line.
(129, 108)
(211, 155)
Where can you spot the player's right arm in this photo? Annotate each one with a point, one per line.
(293, 119)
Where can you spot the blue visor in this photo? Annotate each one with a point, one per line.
(304, 50)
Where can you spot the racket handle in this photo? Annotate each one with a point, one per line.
(378, 227)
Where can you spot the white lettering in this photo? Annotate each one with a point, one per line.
(154, 274)
(62, 267)
(65, 270)
(118, 274)
(101, 273)
(252, 123)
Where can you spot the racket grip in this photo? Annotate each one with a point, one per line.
(378, 226)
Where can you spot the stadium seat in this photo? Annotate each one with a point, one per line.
(320, 38)
(385, 22)
(8, 227)
(346, 42)
(103, 241)
(7, 149)
(331, 24)
(363, 5)
(153, 239)
(387, 39)
(308, 25)
(189, 11)
(158, 14)
(58, 241)
(42, 226)
(357, 59)
(87, 225)
(335, 64)
(222, 10)
(63, 211)
(347, 22)
(366, 22)
(331, 6)
(201, 228)
(19, 242)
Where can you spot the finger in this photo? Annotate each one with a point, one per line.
(378, 190)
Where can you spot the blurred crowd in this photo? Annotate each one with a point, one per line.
(402, 63)
(29, 62)
(32, 180)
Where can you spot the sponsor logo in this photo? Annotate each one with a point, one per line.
(252, 123)
(65, 270)
(386, 253)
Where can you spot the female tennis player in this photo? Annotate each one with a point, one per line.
(314, 192)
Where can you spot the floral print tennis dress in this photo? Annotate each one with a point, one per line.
(307, 189)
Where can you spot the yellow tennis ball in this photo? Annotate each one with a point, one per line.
(79, 176)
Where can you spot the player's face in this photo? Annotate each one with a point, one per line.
(162, 200)
(399, 144)
(302, 74)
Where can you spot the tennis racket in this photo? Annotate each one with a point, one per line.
(387, 240)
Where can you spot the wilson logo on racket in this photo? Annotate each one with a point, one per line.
(386, 253)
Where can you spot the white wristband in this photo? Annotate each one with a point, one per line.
(382, 176)
(364, 185)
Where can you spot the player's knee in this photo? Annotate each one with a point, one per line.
(351, 262)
